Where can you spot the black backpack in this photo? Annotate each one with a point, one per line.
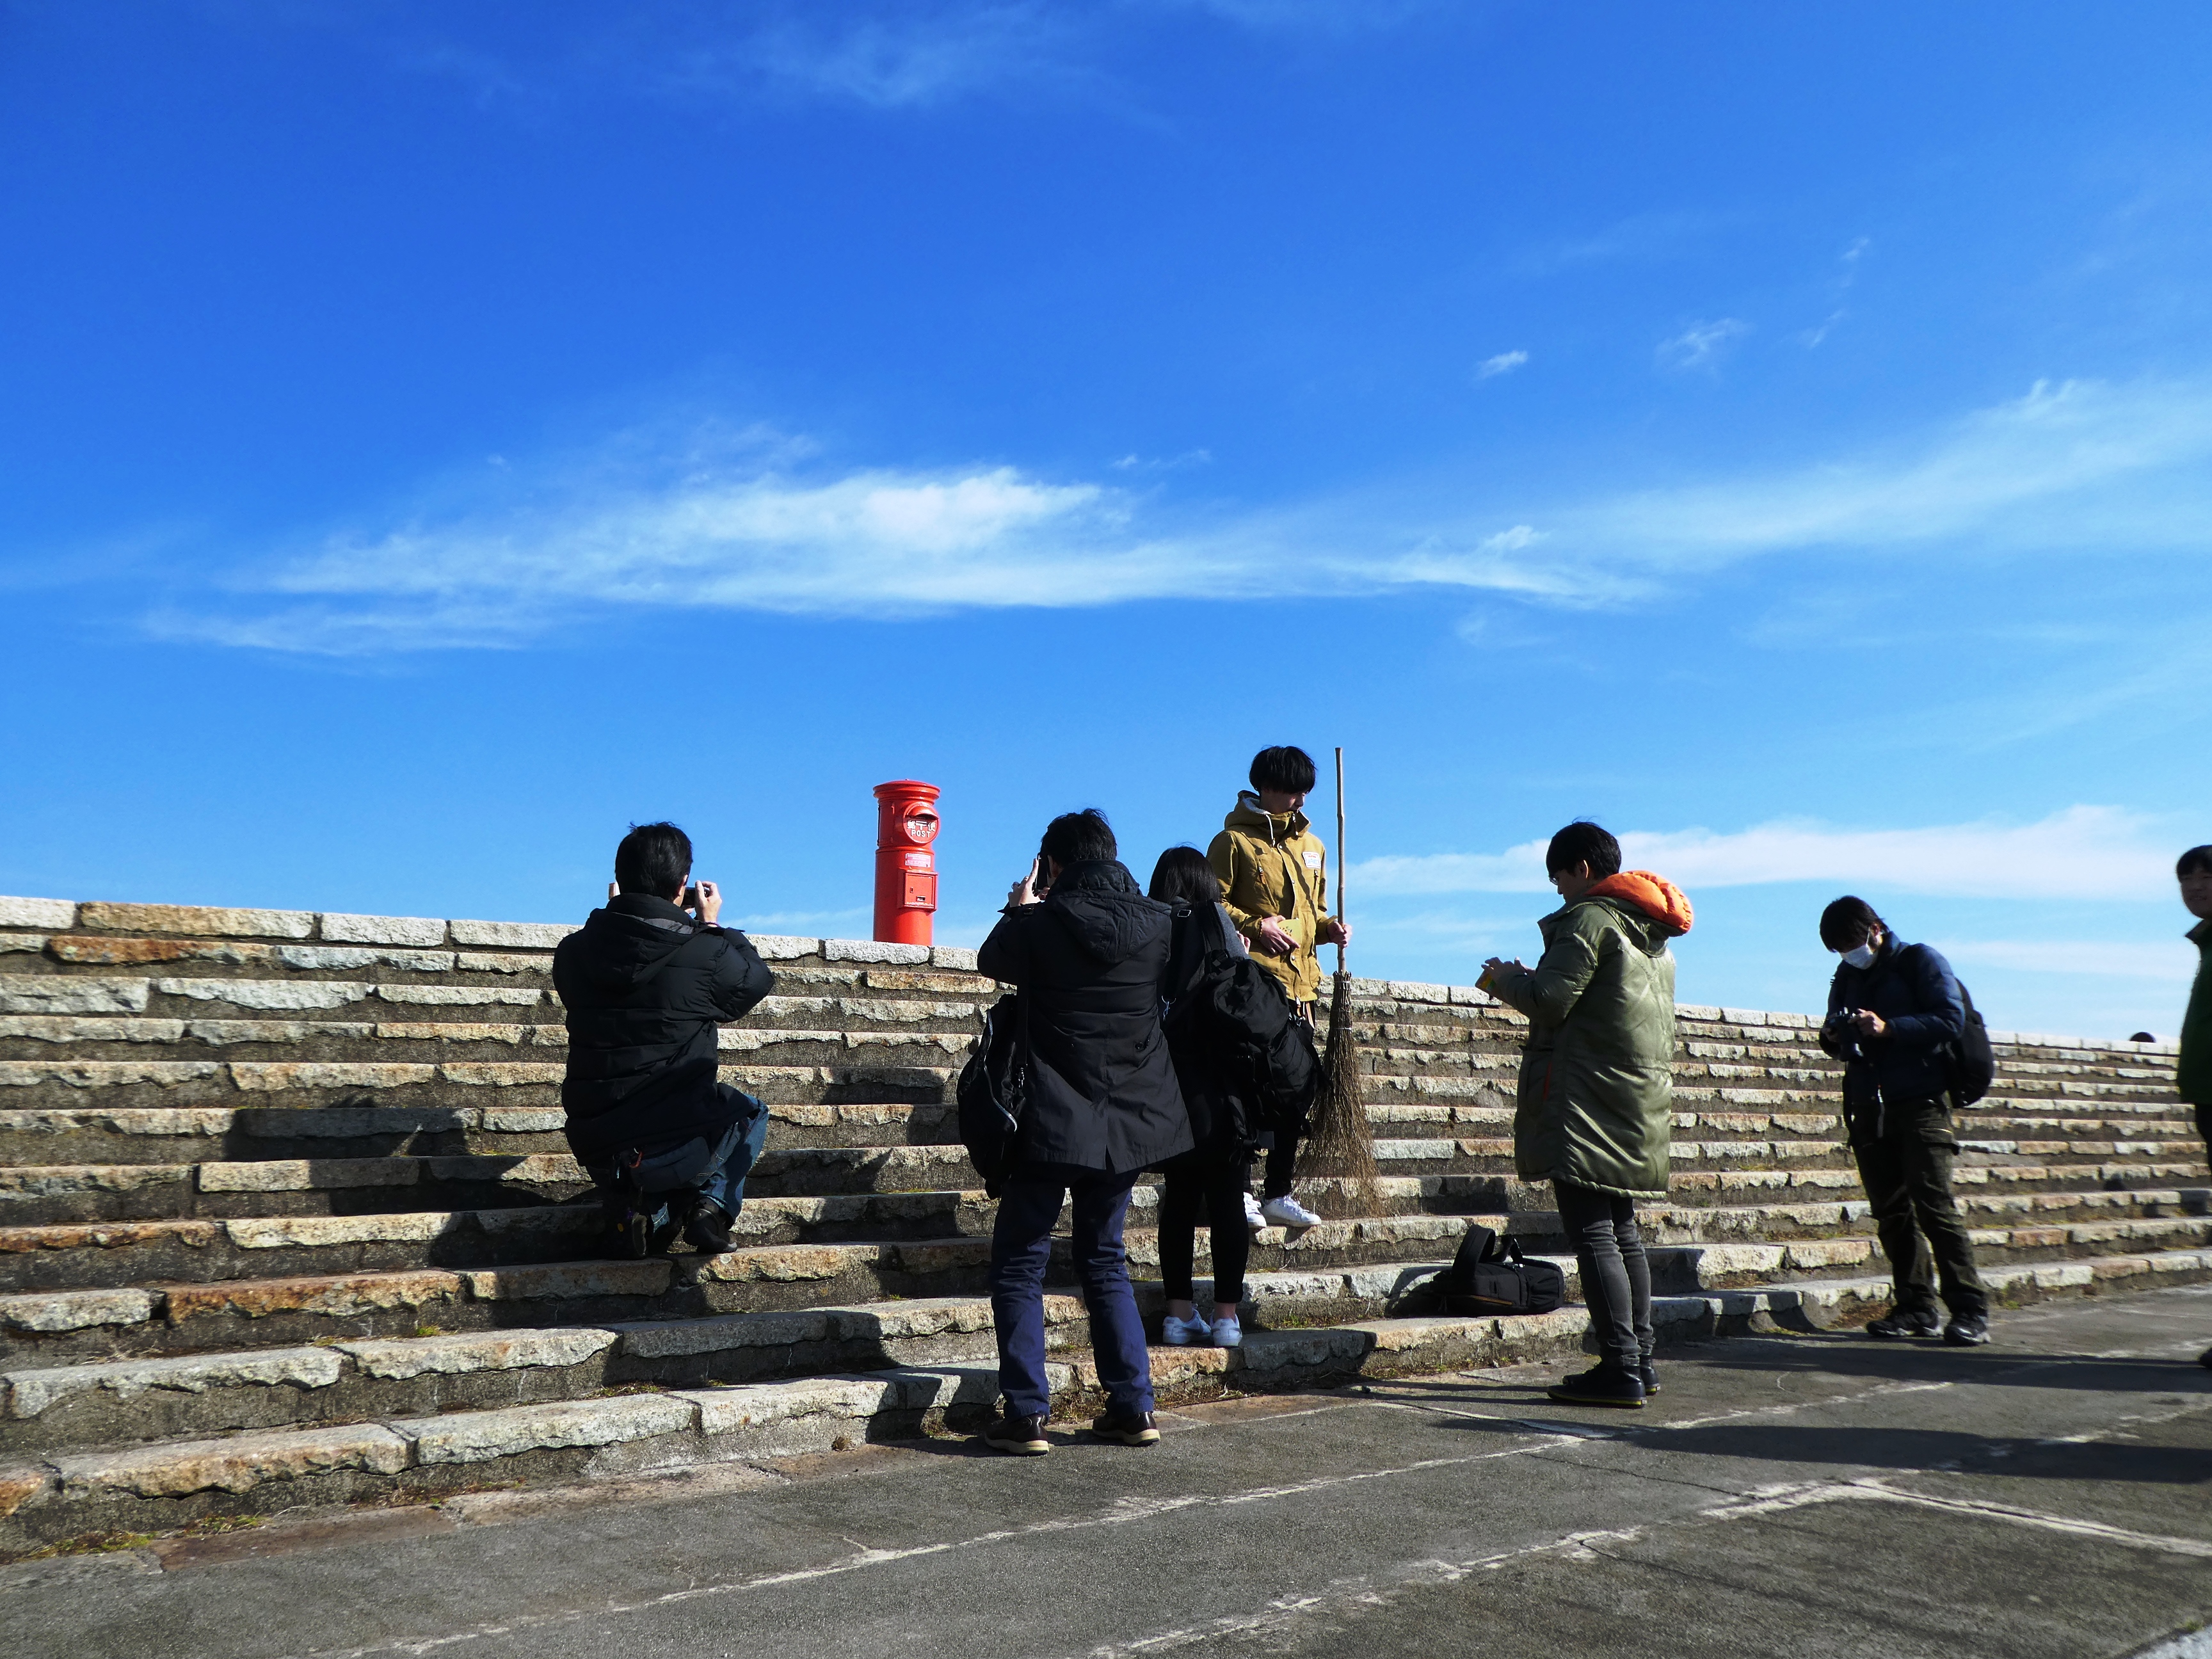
(1236, 1014)
(1973, 1062)
(1489, 1276)
(992, 1092)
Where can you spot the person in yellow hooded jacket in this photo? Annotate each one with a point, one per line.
(1273, 872)
(1596, 1103)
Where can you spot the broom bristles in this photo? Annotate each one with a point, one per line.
(1337, 1161)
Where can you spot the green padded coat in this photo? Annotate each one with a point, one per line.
(1597, 1088)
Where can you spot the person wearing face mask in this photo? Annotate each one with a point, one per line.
(1895, 1017)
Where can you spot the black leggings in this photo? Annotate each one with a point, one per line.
(1220, 1194)
(1615, 1272)
(1282, 1165)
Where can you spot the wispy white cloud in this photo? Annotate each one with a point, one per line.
(764, 522)
(2173, 964)
(1701, 345)
(1503, 363)
(2082, 853)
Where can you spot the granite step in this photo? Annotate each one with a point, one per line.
(51, 1494)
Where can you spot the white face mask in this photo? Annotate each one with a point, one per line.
(1862, 957)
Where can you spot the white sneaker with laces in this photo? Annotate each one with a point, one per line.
(1181, 1332)
(1253, 1219)
(1228, 1333)
(1287, 1212)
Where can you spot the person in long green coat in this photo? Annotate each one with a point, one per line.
(1596, 1101)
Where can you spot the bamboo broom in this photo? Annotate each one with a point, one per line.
(1340, 1151)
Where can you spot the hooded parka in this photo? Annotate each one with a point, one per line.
(646, 988)
(2193, 1075)
(1597, 1087)
(1274, 864)
(1090, 962)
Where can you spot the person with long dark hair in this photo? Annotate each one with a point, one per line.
(1212, 1177)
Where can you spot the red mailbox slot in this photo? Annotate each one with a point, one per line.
(906, 865)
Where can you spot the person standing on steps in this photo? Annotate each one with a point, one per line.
(2192, 1075)
(647, 982)
(1241, 1062)
(1089, 953)
(1894, 1018)
(1595, 1112)
(1273, 872)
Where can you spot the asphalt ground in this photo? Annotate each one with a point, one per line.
(2051, 1494)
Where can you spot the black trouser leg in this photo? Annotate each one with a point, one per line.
(1231, 1241)
(1888, 1189)
(1282, 1165)
(1616, 1273)
(1179, 1200)
(1908, 1176)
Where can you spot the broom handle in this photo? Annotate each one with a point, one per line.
(1339, 850)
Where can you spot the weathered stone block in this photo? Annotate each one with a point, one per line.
(502, 1074)
(54, 1311)
(337, 1295)
(466, 1352)
(237, 1464)
(315, 1231)
(459, 996)
(195, 919)
(383, 930)
(780, 947)
(300, 1174)
(479, 1436)
(276, 996)
(30, 1393)
(513, 935)
(570, 1279)
(48, 993)
(343, 958)
(274, 1076)
(863, 950)
(57, 914)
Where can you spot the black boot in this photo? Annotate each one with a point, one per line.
(1605, 1383)
(708, 1227)
(1906, 1321)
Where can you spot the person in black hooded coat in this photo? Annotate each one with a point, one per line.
(647, 986)
(1088, 957)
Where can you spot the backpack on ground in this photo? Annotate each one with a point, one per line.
(992, 1092)
(1491, 1276)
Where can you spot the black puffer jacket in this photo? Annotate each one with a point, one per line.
(1089, 961)
(646, 988)
(1913, 989)
(1242, 1058)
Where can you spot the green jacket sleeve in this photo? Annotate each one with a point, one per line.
(1549, 991)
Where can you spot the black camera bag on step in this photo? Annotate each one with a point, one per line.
(1491, 1276)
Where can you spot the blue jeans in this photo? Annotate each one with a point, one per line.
(727, 1165)
(1021, 1245)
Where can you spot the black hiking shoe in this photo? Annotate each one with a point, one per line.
(708, 1227)
(1649, 1375)
(1603, 1385)
(1967, 1331)
(1130, 1428)
(1024, 1436)
(1906, 1321)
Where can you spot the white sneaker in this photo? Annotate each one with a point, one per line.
(1253, 1219)
(1181, 1332)
(1228, 1333)
(1287, 1212)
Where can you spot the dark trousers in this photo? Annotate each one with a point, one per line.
(1282, 1165)
(1906, 1172)
(1021, 1245)
(1616, 1274)
(1218, 1196)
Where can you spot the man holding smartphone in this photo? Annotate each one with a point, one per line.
(647, 982)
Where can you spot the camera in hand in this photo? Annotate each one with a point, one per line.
(691, 900)
(1839, 1034)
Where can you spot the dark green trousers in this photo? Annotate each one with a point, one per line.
(1906, 1172)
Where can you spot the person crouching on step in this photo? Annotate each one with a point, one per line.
(1597, 1086)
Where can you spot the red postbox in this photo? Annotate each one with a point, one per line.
(906, 862)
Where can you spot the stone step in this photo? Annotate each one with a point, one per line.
(57, 1494)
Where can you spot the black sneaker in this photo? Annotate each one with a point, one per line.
(1906, 1321)
(2205, 1360)
(1650, 1374)
(1130, 1428)
(1022, 1436)
(1603, 1385)
(1967, 1331)
(708, 1227)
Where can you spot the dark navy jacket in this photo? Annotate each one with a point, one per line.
(1091, 961)
(646, 989)
(1912, 989)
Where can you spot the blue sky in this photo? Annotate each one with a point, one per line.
(432, 437)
